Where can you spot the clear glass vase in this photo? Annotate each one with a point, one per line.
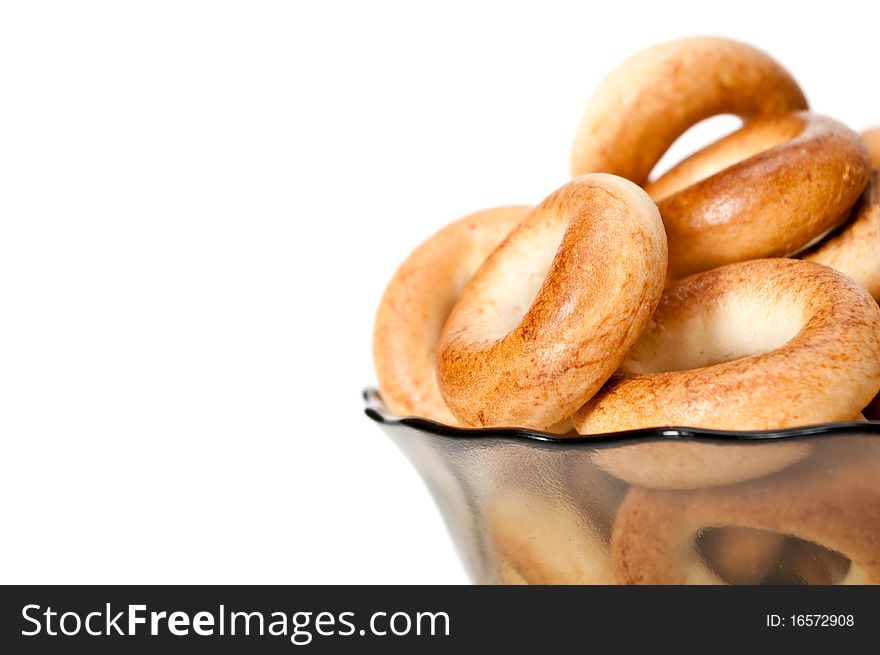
(653, 506)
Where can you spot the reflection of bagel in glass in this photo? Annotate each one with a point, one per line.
(832, 501)
(538, 540)
(741, 555)
(809, 563)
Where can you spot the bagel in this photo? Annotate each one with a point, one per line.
(417, 301)
(855, 249)
(750, 346)
(770, 189)
(641, 108)
(555, 308)
(537, 540)
(832, 501)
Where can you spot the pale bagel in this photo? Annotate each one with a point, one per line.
(417, 301)
(555, 308)
(646, 103)
(749, 346)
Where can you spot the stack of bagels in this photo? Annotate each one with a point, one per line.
(738, 291)
(734, 292)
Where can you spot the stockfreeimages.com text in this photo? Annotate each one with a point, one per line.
(300, 627)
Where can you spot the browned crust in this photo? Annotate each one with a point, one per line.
(771, 204)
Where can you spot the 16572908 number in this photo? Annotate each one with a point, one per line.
(822, 620)
(811, 621)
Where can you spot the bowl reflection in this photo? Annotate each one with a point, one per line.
(653, 506)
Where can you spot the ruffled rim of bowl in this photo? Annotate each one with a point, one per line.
(376, 410)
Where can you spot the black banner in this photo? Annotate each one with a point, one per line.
(339, 619)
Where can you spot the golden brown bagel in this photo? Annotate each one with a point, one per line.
(872, 140)
(749, 346)
(769, 189)
(418, 300)
(555, 308)
(854, 249)
(646, 103)
(833, 501)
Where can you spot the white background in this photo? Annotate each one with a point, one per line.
(200, 204)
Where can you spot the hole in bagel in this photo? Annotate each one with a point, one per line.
(808, 563)
(518, 278)
(740, 144)
(741, 555)
(696, 137)
(720, 329)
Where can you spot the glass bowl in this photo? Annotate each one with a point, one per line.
(653, 506)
